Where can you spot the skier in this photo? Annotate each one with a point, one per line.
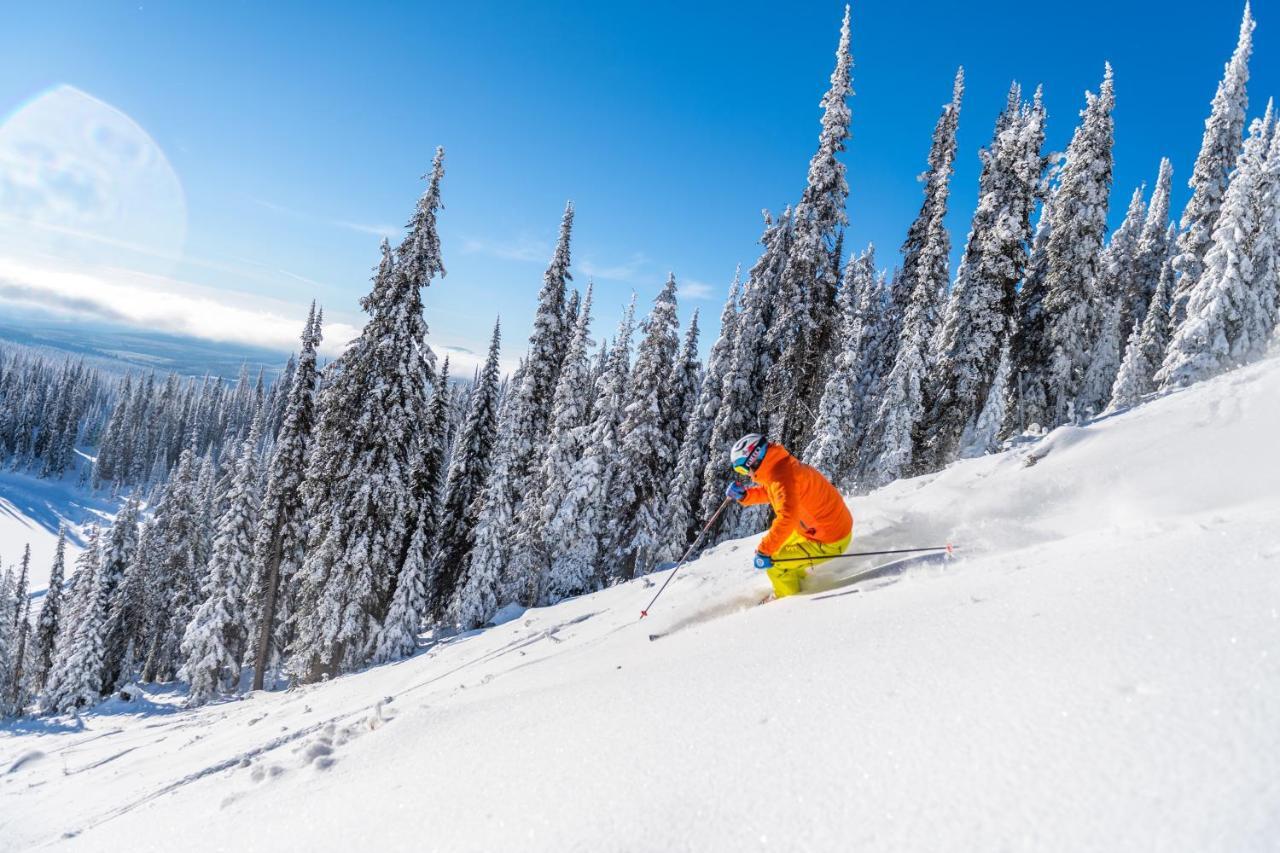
(811, 519)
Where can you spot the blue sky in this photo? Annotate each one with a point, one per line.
(298, 132)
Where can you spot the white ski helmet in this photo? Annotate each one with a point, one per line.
(748, 453)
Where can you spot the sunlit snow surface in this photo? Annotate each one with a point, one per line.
(1099, 671)
(32, 509)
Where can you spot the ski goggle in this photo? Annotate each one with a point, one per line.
(745, 465)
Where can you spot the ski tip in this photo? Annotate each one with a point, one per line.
(951, 551)
(644, 613)
(653, 637)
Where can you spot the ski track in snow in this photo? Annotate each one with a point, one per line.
(1097, 670)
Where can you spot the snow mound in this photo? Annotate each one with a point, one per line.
(1097, 671)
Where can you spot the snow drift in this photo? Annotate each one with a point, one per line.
(1098, 671)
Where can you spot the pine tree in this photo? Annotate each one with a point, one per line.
(1223, 133)
(1079, 212)
(889, 451)
(534, 541)
(213, 644)
(803, 338)
(1221, 328)
(743, 386)
(983, 435)
(50, 615)
(7, 644)
(357, 491)
(176, 575)
(1028, 345)
(468, 469)
(647, 442)
(398, 635)
(76, 678)
(1260, 322)
(117, 554)
(1146, 349)
(21, 632)
(684, 503)
(1116, 269)
(1149, 256)
(523, 429)
(281, 537)
(835, 438)
(684, 383)
(582, 523)
(980, 312)
(427, 478)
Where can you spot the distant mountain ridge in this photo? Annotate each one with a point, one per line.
(126, 349)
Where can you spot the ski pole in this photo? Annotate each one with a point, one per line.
(949, 548)
(697, 541)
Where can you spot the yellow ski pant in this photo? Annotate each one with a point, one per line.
(787, 576)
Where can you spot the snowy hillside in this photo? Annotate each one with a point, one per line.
(31, 510)
(1098, 671)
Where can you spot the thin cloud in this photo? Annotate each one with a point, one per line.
(163, 304)
(627, 272)
(246, 268)
(387, 231)
(524, 249)
(694, 289)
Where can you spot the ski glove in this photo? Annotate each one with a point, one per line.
(735, 490)
(763, 561)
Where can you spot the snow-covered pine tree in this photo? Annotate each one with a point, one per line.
(468, 469)
(684, 384)
(535, 541)
(803, 338)
(21, 633)
(1149, 256)
(7, 649)
(581, 525)
(1076, 235)
(521, 442)
(1028, 343)
(370, 428)
(1116, 271)
(888, 452)
(684, 502)
(76, 678)
(1146, 348)
(983, 435)
(1223, 133)
(398, 634)
(430, 469)
(1221, 328)
(108, 461)
(47, 626)
(415, 587)
(214, 641)
(177, 575)
(834, 446)
(117, 554)
(280, 538)
(18, 600)
(980, 312)
(1260, 323)
(743, 385)
(648, 445)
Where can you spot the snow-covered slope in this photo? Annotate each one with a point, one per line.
(1100, 670)
(32, 509)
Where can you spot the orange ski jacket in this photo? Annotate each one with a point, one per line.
(803, 501)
